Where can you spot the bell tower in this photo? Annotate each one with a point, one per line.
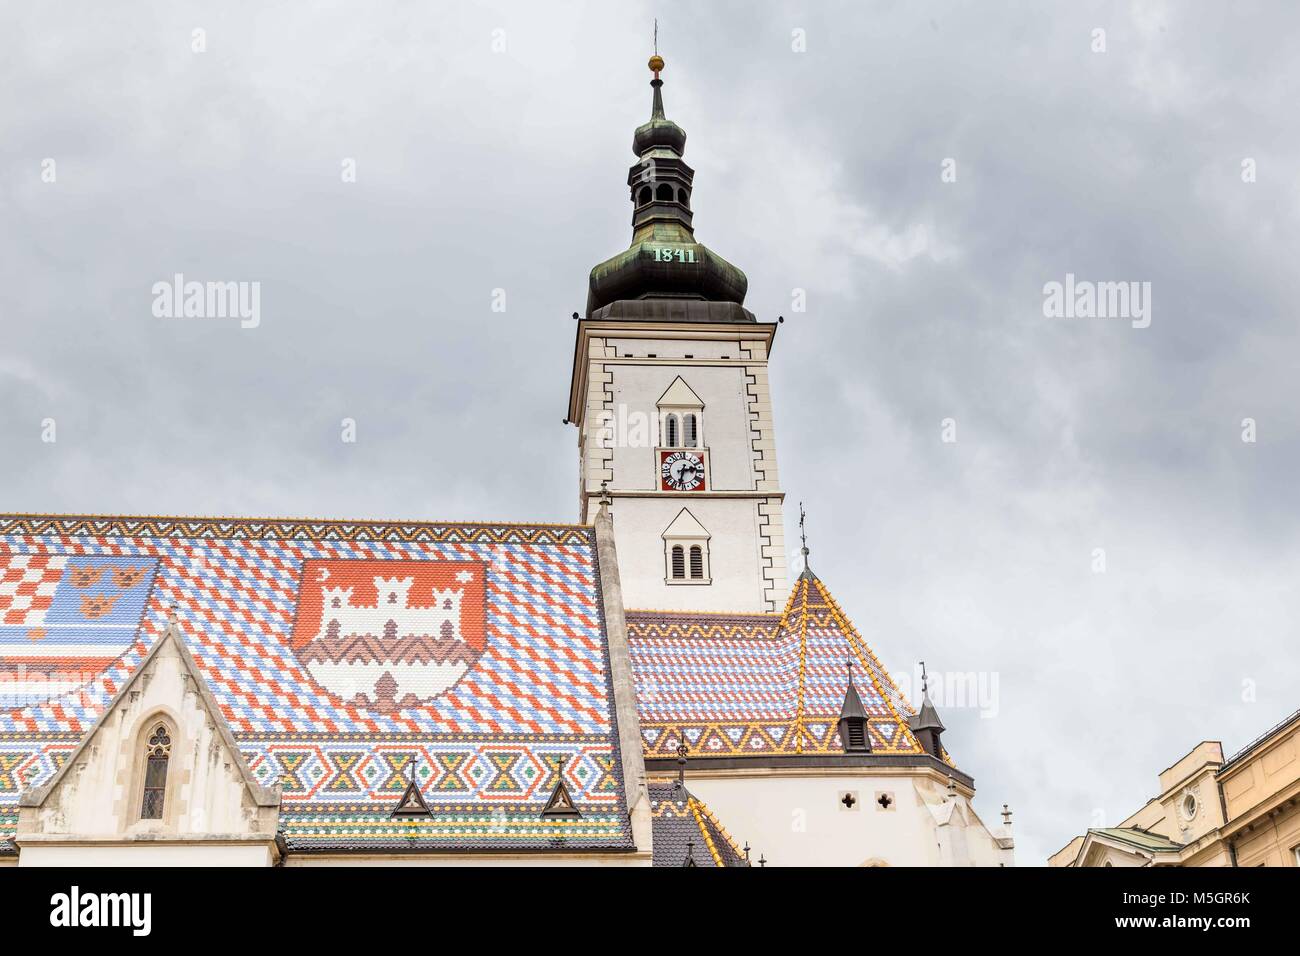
(670, 396)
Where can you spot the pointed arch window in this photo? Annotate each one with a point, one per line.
(158, 750)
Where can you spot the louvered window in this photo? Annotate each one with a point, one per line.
(689, 431)
(670, 431)
(857, 735)
(679, 561)
(697, 561)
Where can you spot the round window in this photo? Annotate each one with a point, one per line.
(1189, 806)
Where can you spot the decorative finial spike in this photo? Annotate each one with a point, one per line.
(925, 682)
(803, 539)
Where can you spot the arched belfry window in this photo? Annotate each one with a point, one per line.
(664, 192)
(158, 750)
(681, 414)
(697, 562)
(679, 563)
(643, 196)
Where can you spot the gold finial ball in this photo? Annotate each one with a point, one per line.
(656, 63)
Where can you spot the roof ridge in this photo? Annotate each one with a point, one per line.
(726, 834)
(803, 667)
(859, 645)
(694, 806)
(285, 519)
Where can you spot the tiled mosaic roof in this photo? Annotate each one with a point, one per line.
(683, 826)
(760, 684)
(338, 653)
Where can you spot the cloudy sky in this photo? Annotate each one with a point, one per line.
(818, 169)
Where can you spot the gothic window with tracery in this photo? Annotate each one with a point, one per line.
(157, 753)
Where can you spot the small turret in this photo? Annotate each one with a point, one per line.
(853, 721)
(926, 725)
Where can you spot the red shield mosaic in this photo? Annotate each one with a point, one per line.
(388, 635)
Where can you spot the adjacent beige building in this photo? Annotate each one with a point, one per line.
(1244, 811)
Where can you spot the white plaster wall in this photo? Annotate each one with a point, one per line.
(796, 820)
(146, 854)
(726, 423)
(734, 556)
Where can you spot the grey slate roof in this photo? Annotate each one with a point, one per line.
(682, 825)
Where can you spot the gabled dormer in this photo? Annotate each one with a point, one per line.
(157, 779)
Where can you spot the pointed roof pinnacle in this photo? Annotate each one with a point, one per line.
(928, 717)
(660, 132)
(803, 537)
(852, 700)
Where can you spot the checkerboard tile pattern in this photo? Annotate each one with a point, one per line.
(759, 684)
(538, 692)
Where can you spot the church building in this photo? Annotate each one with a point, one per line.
(646, 686)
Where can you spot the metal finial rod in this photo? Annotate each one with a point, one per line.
(656, 36)
(803, 531)
(925, 685)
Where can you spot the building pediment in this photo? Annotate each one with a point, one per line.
(680, 395)
(159, 764)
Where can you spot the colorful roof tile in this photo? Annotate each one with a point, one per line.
(684, 827)
(338, 652)
(760, 684)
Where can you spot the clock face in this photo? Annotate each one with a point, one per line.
(681, 471)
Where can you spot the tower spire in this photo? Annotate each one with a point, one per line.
(665, 264)
(656, 64)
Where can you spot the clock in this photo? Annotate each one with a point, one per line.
(681, 471)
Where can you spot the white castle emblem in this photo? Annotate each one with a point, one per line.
(392, 615)
(391, 655)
